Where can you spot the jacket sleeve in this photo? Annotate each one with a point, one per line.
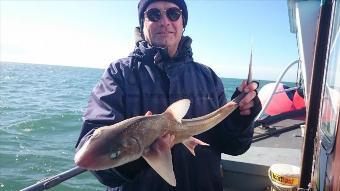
(234, 134)
(106, 107)
(106, 104)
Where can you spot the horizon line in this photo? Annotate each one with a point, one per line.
(99, 68)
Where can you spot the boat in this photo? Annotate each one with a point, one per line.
(313, 143)
(305, 134)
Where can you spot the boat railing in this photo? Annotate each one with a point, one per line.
(277, 83)
(53, 181)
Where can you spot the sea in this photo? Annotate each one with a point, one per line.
(41, 109)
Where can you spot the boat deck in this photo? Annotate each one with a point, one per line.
(274, 142)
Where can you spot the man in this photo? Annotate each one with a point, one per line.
(159, 72)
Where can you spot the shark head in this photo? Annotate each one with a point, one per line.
(108, 148)
(126, 150)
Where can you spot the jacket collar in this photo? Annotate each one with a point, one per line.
(158, 55)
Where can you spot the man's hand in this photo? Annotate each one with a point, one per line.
(247, 102)
(164, 142)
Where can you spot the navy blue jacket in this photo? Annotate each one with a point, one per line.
(148, 80)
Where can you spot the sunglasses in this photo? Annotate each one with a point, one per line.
(155, 14)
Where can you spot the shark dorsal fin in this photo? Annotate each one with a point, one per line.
(178, 109)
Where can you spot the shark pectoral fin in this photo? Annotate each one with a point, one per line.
(161, 162)
(192, 142)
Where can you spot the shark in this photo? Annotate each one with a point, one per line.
(128, 140)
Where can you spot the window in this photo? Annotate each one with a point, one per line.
(331, 94)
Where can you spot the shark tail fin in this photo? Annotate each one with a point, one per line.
(178, 109)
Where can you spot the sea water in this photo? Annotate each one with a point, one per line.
(41, 109)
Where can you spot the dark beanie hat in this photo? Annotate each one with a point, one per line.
(143, 4)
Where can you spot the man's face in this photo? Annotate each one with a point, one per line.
(165, 32)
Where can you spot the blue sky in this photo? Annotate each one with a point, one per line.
(94, 33)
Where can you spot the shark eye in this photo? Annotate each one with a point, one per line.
(115, 154)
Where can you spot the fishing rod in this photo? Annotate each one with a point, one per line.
(53, 181)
